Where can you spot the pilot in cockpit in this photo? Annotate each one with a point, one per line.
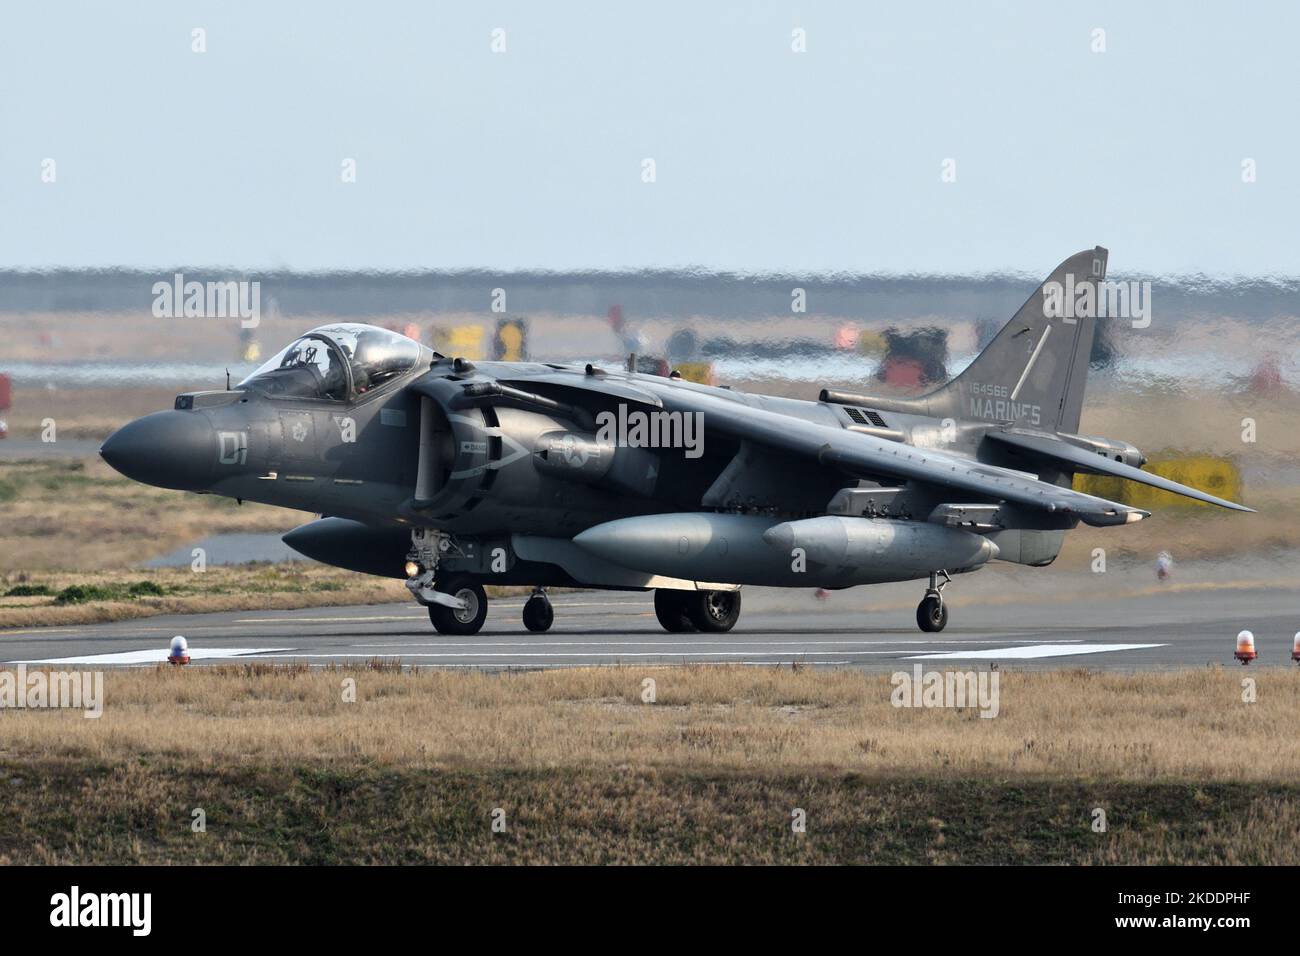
(335, 379)
(378, 357)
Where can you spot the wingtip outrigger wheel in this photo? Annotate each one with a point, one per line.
(932, 613)
(539, 615)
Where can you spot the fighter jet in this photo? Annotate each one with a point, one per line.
(454, 474)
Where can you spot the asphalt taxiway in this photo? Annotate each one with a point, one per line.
(1116, 625)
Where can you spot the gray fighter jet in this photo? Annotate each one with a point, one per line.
(454, 474)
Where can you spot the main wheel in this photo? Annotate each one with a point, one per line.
(466, 620)
(670, 608)
(538, 613)
(714, 611)
(932, 614)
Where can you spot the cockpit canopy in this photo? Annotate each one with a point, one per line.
(336, 363)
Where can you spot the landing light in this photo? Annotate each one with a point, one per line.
(412, 569)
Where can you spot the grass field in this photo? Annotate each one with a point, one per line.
(84, 516)
(72, 534)
(579, 769)
(52, 598)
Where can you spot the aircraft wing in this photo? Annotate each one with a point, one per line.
(1083, 460)
(865, 456)
(567, 380)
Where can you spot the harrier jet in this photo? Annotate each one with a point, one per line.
(454, 474)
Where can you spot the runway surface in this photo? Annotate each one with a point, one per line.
(1114, 625)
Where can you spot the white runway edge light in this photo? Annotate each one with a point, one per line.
(180, 651)
(1295, 648)
(1245, 647)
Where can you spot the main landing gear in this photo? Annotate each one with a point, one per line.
(932, 613)
(683, 611)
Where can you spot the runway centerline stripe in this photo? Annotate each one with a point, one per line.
(702, 663)
(617, 654)
(1029, 653)
(630, 641)
(328, 620)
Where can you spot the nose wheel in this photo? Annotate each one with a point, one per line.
(465, 612)
(538, 613)
(932, 613)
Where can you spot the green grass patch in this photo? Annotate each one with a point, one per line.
(86, 593)
(29, 590)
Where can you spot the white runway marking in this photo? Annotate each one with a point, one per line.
(156, 655)
(735, 642)
(1033, 651)
(543, 666)
(739, 651)
(329, 620)
(784, 655)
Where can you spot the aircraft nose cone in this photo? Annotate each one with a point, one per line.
(167, 449)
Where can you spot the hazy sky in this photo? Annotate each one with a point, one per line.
(766, 159)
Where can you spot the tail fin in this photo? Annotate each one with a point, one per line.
(1035, 369)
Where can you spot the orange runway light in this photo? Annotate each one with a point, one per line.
(1245, 647)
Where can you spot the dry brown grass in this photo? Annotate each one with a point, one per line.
(252, 587)
(141, 812)
(1198, 421)
(89, 413)
(84, 516)
(1079, 724)
(1197, 532)
(584, 772)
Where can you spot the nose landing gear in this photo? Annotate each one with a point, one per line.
(932, 613)
(457, 603)
(467, 610)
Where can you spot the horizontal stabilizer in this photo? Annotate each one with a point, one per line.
(1080, 459)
